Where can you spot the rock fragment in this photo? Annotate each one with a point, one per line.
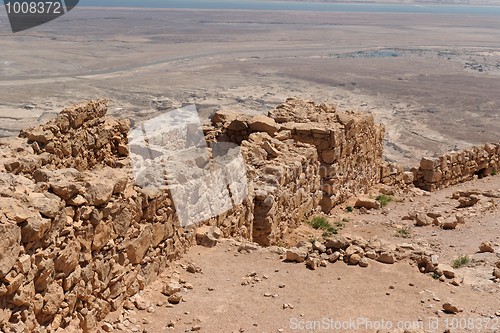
(171, 288)
(386, 258)
(486, 247)
(367, 203)
(450, 308)
(464, 202)
(208, 236)
(296, 254)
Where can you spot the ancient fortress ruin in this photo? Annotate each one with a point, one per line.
(79, 236)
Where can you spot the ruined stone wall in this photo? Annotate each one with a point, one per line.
(80, 137)
(446, 170)
(79, 235)
(395, 174)
(285, 182)
(457, 167)
(76, 243)
(349, 146)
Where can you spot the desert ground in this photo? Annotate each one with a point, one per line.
(237, 287)
(433, 80)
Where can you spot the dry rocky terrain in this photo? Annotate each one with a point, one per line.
(237, 286)
(87, 247)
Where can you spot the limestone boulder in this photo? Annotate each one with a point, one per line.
(263, 123)
(208, 235)
(270, 150)
(10, 246)
(464, 202)
(354, 259)
(14, 210)
(354, 249)
(451, 308)
(65, 188)
(137, 248)
(34, 228)
(386, 258)
(329, 156)
(337, 242)
(99, 191)
(313, 263)
(363, 262)
(447, 271)
(171, 287)
(223, 117)
(122, 220)
(77, 200)
(67, 259)
(422, 219)
(102, 234)
(38, 134)
(449, 224)
(367, 203)
(318, 246)
(48, 204)
(25, 295)
(296, 254)
(327, 203)
(427, 163)
(54, 296)
(175, 298)
(42, 175)
(486, 247)
(238, 125)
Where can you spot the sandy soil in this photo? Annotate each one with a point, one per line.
(396, 294)
(432, 79)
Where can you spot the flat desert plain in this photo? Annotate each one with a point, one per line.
(432, 79)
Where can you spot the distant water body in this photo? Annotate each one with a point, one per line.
(299, 6)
